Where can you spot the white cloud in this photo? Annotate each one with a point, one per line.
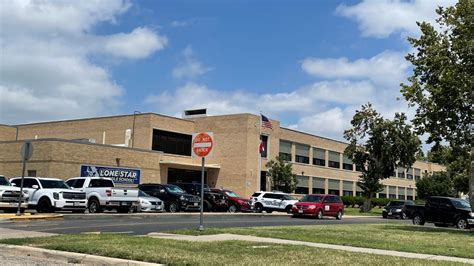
(380, 18)
(190, 67)
(385, 68)
(47, 71)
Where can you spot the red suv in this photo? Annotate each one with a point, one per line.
(319, 205)
(234, 202)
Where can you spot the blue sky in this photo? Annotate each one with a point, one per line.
(309, 64)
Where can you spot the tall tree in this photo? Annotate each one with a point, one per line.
(441, 87)
(438, 184)
(281, 175)
(378, 146)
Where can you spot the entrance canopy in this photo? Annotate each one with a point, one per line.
(191, 166)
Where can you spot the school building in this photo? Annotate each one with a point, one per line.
(154, 148)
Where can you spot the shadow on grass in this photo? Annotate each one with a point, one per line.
(413, 228)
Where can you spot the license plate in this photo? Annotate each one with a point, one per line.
(13, 204)
(195, 204)
(300, 211)
(125, 203)
(75, 204)
(389, 213)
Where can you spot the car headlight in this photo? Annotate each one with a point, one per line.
(398, 210)
(312, 207)
(56, 195)
(182, 198)
(471, 214)
(144, 202)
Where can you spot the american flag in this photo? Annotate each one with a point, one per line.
(266, 122)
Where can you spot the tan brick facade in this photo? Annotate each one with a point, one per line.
(234, 163)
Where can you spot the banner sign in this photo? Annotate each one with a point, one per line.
(118, 175)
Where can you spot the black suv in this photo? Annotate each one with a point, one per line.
(175, 198)
(212, 201)
(396, 208)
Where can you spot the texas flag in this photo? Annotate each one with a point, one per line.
(261, 148)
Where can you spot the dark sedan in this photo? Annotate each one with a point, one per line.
(396, 209)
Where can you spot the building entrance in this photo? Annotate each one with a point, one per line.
(185, 176)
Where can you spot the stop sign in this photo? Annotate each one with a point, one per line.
(202, 144)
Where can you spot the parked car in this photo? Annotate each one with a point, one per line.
(147, 203)
(51, 194)
(175, 199)
(103, 195)
(396, 208)
(442, 211)
(212, 201)
(10, 196)
(234, 202)
(319, 205)
(272, 201)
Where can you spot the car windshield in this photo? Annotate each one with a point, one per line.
(174, 189)
(142, 194)
(4, 181)
(395, 203)
(232, 194)
(312, 198)
(462, 204)
(286, 197)
(54, 184)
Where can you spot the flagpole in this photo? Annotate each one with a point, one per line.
(259, 182)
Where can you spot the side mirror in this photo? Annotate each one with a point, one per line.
(162, 191)
(35, 187)
(13, 185)
(72, 187)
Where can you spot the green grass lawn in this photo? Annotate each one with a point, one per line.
(216, 253)
(356, 211)
(391, 236)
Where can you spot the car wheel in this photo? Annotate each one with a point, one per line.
(173, 207)
(462, 224)
(288, 209)
(384, 215)
(94, 206)
(339, 215)
(258, 207)
(319, 215)
(418, 220)
(403, 216)
(232, 208)
(207, 206)
(44, 205)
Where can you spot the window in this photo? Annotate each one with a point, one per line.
(347, 163)
(417, 174)
(401, 172)
(312, 198)
(27, 182)
(409, 197)
(318, 185)
(319, 157)
(285, 150)
(76, 183)
(53, 184)
(359, 191)
(254, 195)
(392, 192)
(264, 140)
(271, 196)
(333, 186)
(410, 173)
(302, 185)
(31, 173)
(302, 153)
(382, 195)
(171, 142)
(101, 183)
(401, 193)
(347, 188)
(334, 161)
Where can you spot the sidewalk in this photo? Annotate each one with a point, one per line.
(227, 237)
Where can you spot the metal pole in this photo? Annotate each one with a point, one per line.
(133, 128)
(259, 156)
(18, 213)
(201, 227)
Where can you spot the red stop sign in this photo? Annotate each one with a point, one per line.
(202, 144)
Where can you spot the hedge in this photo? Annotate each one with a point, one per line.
(351, 201)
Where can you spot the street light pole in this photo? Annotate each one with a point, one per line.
(133, 127)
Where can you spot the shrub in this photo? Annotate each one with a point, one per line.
(348, 201)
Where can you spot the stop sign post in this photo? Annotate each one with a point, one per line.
(202, 145)
(26, 153)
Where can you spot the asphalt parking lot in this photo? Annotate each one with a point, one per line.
(141, 224)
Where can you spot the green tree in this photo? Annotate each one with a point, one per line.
(378, 146)
(438, 184)
(441, 86)
(281, 175)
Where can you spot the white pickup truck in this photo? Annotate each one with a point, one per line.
(9, 196)
(51, 194)
(102, 194)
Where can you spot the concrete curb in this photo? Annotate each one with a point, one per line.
(35, 217)
(112, 214)
(68, 257)
(234, 237)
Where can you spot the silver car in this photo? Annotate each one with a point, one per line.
(148, 203)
